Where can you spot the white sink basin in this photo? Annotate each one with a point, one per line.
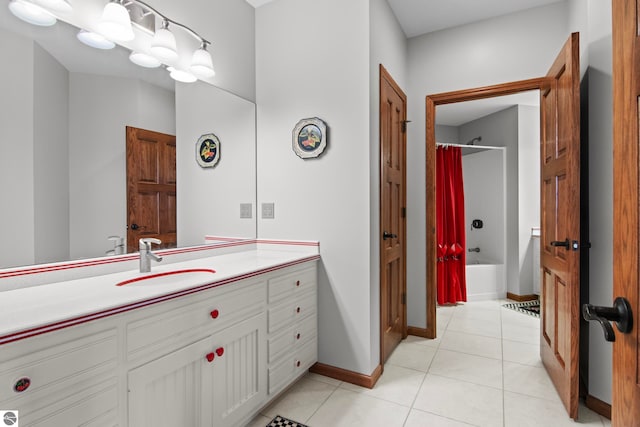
(195, 274)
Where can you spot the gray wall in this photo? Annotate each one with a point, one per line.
(593, 19)
(51, 158)
(17, 151)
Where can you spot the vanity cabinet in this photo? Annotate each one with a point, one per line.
(63, 378)
(209, 358)
(216, 381)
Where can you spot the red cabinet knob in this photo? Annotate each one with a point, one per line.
(297, 282)
(210, 357)
(298, 310)
(298, 336)
(220, 351)
(214, 314)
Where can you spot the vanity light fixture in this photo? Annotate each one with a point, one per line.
(201, 62)
(115, 22)
(115, 25)
(95, 40)
(31, 13)
(60, 6)
(144, 60)
(163, 45)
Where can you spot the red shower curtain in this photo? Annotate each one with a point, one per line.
(450, 233)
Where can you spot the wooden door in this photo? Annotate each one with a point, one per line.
(560, 223)
(393, 315)
(625, 406)
(151, 187)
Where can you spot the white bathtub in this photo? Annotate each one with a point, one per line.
(485, 281)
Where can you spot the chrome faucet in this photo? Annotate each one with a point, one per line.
(474, 250)
(146, 255)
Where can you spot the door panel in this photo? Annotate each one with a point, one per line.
(625, 409)
(560, 208)
(151, 187)
(392, 202)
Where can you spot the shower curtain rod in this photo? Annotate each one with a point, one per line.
(480, 147)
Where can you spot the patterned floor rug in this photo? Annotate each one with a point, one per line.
(279, 421)
(532, 308)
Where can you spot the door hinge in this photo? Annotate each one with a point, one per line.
(404, 125)
(403, 212)
(404, 298)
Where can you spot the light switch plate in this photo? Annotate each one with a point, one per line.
(268, 211)
(246, 210)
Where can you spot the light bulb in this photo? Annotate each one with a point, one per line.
(31, 13)
(61, 6)
(144, 60)
(115, 23)
(181, 75)
(163, 45)
(201, 63)
(95, 40)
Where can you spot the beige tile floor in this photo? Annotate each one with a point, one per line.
(484, 369)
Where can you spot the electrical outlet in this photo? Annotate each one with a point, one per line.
(268, 211)
(246, 210)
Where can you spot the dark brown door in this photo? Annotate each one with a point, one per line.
(560, 223)
(393, 112)
(151, 187)
(625, 407)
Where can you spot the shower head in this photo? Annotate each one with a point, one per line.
(477, 138)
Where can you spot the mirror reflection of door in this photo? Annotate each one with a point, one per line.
(151, 187)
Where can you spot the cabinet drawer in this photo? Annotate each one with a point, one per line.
(298, 281)
(93, 407)
(292, 366)
(57, 371)
(281, 344)
(291, 309)
(292, 338)
(164, 329)
(305, 357)
(305, 330)
(280, 374)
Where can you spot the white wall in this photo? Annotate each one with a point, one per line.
(51, 158)
(512, 47)
(16, 151)
(323, 73)
(484, 192)
(209, 198)
(100, 108)
(501, 130)
(593, 19)
(388, 46)
(528, 192)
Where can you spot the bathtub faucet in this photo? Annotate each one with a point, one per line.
(474, 250)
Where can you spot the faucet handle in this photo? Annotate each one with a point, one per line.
(145, 243)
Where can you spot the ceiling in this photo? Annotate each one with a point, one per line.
(418, 17)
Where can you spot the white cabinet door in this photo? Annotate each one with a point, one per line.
(174, 390)
(240, 371)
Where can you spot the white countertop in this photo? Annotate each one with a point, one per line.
(39, 307)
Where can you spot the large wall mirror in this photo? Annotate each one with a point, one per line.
(63, 117)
